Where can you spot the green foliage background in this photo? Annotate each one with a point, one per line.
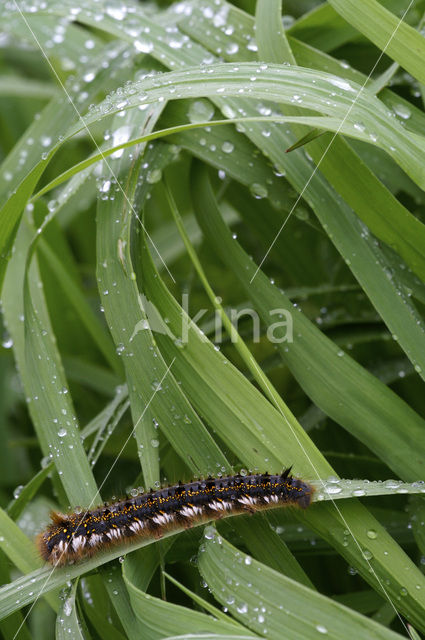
(144, 157)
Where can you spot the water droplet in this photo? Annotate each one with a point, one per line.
(67, 607)
(7, 341)
(209, 533)
(232, 48)
(242, 608)
(258, 190)
(62, 432)
(17, 492)
(332, 490)
(359, 126)
(372, 534)
(144, 46)
(341, 84)
(200, 111)
(228, 111)
(320, 628)
(117, 12)
(392, 484)
(227, 147)
(154, 176)
(402, 110)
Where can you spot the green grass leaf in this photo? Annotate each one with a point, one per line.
(267, 602)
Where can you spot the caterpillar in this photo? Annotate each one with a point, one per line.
(75, 536)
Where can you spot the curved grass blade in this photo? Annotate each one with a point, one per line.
(325, 372)
(267, 602)
(390, 34)
(169, 408)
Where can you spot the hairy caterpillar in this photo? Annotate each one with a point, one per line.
(78, 535)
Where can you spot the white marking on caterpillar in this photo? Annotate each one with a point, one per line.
(190, 512)
(137, 526)
(163, 518)
(220, 506)
(94, 539)
(77, 542)
(62, 546)
(248, 500)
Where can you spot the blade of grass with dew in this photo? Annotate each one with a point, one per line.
(270, 552)
(326, 30)
(389, 234)
(119, 30)
(16, 507)
(359, 249)
(9, 626)
(170, 245)
(400, 42)
(55, 118)
(407, 314)
(47, 408)
(138, 570)
(272, 147)
(382, 212)
(119, 403)
(97, 609)
(259, 529)
(372, 198)
(67, 623)
(339, 162)
(76, 297)
(256, 432)
(204, 604)
(115, 275)
(173, 58)
(310, 355)
(414, 259)
(80, 170)
(234, 154)
(306, 613)
(51, 406)
(160, 619)
(15, 544)
(315, 360)
(342, 104)
(120, 600)
(170, 408)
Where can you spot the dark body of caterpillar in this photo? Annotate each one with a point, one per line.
(78, 535)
